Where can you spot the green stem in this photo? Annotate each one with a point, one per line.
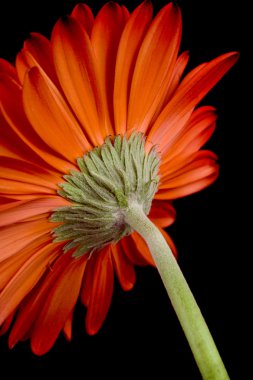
(196, 331)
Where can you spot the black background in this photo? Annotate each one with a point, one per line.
(141, 335)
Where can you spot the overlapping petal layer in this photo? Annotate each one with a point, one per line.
(112, 74)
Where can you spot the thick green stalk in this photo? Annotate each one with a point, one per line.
(196, 331)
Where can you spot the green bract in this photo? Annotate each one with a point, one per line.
(111, 175)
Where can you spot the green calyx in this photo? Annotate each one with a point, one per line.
(110, 176)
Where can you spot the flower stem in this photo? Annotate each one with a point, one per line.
(196, 331)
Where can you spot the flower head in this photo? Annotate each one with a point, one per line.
(93, 117)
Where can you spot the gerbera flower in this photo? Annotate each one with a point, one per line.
(90, 119)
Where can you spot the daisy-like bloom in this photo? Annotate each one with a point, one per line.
(91, 120)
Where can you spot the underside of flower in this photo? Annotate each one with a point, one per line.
(84, 91)
(110, 176)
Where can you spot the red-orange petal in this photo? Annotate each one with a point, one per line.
(189, 175)
(105, 37)
(16, 236)
(51, 118)
(162, 213)
(101, 290)
(192, 89)
(188, 189)
(7, 323)
(178, 70)
(11, 108)
(13, 147)
(141, 248)
(7, 204)
(61, 300)
(123, 268)
(25, 279)
(75, 66)
(84, 15)
(21, 210)
(131, 251)
(136, 252)
(192, 137)
(23, 191)
(36, 52)
(67, 328)
(154, 67)
(19, 170)
(31, 306)
(130, 42)
(7, 68)
(11, 263)
(194, 167)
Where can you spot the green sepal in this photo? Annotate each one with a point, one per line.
(111, 175)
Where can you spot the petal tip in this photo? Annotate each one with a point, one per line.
(91, 330)
(12, 343)
(233, 56)
(111, 5)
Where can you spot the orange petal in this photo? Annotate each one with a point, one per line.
(196, 166)
(101, 290)
(7, 323)
(20, 191)
(178, 70)
(172, 167)
(59, 304)
(193, 136)
(22, 66)
(124, 269)
(154, 67)
(25, 192)
(67, 328)
(16, 236)
(136, 252)
(162, 213)
(142, 248)
(129, 45)
(13, 147)
(87, 282)
(125, 14)
(7, 68)
(74, 61)
(25, 279)
(12, 109)
(7, 204)
(11, 263)
(4, 201)
(22, 210)
(84, 15)
(192, 89)
(105, 37)
(51, 117)
(192, 174)
(30, 308)
(187, 189)
(131, 252)
(36, 52)
(21, 171)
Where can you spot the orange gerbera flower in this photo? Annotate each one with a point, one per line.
(115, 75)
